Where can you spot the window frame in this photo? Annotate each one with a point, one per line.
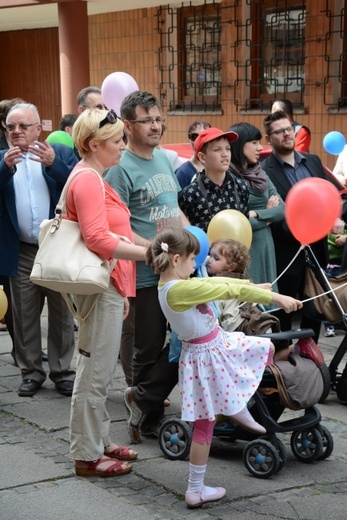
(201, 102)
(257, 12)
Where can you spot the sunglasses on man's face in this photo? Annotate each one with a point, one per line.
(192, 136)
(110, 119)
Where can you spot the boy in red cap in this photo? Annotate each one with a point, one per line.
(214, 189)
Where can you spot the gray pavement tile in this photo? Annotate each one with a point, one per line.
(71, 498)
(34, 435)
(20, 467)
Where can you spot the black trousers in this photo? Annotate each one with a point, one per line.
(292, 284)
(153, 376)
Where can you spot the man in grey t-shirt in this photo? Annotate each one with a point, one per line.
(147, 184)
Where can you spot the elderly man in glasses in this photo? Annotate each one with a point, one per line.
(148, 186)
(187, 170)
(285, 166)
(32, 175)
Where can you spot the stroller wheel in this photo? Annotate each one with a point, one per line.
(280, 448)
(328, 442)
(261, 458)
(326, 382)
(307, 445)
(175, 437)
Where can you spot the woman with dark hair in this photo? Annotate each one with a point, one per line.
(265, 205)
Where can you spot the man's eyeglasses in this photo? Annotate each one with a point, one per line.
(110, 119)
(10, 127)
(148, 122)
(282, 131)
(192, 137)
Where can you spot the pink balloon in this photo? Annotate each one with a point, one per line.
(115, 88)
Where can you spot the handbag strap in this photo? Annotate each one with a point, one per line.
(61, 206)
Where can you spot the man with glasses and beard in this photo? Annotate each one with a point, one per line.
(148, 186)
(285, 167)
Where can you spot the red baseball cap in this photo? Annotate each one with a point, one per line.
(209, 135)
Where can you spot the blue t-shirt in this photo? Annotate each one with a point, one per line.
(149, 188)
(185, 173)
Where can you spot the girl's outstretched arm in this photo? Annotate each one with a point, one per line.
(287, 303)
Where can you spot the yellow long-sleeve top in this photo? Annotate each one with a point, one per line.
(186, 293)
(182, 302)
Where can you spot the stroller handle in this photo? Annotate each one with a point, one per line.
(288, 334)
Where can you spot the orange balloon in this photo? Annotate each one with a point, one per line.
(3, 303)
(312, 206)
(230, 223)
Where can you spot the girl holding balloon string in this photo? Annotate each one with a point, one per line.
(218, 371)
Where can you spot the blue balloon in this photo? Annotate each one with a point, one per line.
(334, 142)
(203, 241)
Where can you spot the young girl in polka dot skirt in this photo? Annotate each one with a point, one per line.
(218, 371)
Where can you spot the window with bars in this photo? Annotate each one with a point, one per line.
(248, 52)
(201, 71)
(335, 54)
(190, 56)
(282, 38)
(274, 42)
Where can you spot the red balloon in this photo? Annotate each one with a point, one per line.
(312, 206)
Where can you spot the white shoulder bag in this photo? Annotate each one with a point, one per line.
(63, 262)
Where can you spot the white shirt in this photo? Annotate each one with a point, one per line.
(341, 164)
(32, 198)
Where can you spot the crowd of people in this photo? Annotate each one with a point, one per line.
(132, 205)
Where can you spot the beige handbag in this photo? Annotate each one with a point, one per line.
(63, 262)
(324, 304)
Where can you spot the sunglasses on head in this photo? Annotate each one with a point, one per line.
(110, 119)
(192, 136)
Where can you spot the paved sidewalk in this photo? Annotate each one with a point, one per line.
(37, 478)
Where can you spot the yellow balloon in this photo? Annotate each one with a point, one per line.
(230, 223)
(3, 303)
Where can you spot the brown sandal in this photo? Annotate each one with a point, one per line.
(121, 453)
(115, 469)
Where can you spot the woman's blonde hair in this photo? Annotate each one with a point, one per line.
(171, 241)
(87, 128)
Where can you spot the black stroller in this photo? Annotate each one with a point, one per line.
(263, 455)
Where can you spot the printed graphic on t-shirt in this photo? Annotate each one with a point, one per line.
(160, 192)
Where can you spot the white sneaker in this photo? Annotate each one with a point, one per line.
(135, 417)
(330, 332)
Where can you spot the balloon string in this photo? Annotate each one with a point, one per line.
(279, 276)
(290, 263)
(313, 297)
